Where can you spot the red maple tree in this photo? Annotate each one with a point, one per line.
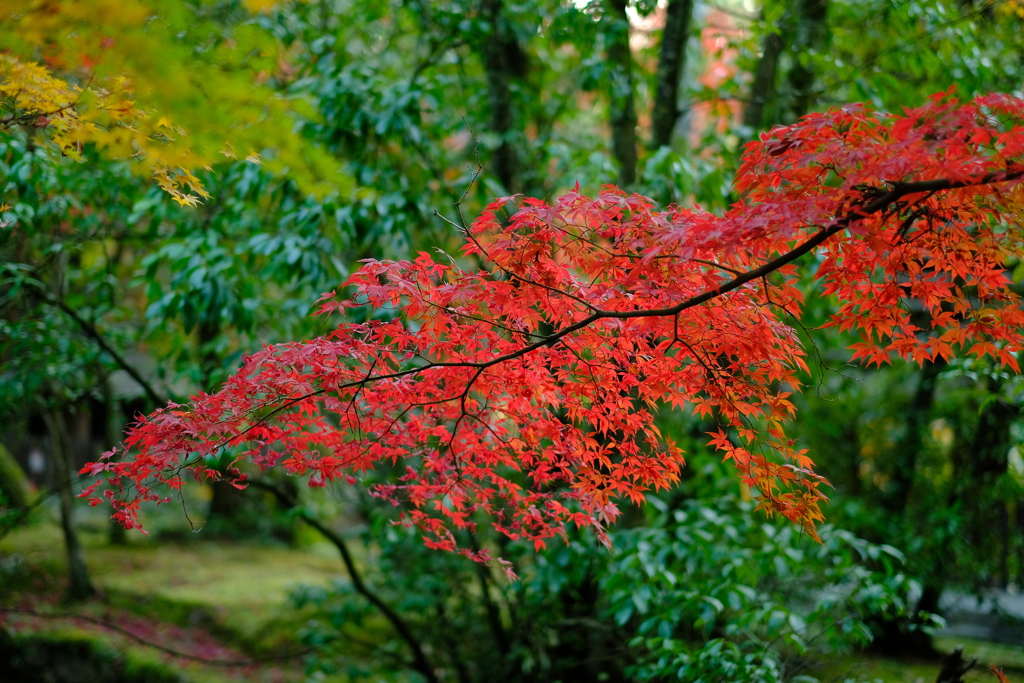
(525, 390)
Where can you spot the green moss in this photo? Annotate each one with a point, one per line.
(70, 656)
(1008, 657)
(864, 668)
(239, 592)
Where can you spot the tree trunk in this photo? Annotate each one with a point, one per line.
(908, 447)
(983, 462)
(503, 59)
(233, 512)
(113, 430)
(811, 35)
(671, 64)
(760, 110)
(14, 484)
(1019, 536)
(954, 666)
(80, 586)
(623, 110)
(227, 512)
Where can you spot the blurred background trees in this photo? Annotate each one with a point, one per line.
(360, 121)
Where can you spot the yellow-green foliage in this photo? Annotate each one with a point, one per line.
(174, 86)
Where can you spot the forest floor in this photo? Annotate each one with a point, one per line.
(180, 606)
(212, 611)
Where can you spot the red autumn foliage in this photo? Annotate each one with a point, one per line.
(525, 390)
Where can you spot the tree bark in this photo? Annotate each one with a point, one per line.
(1019, 534)
(981, 462)
(14, 484)
(113, 429)
(622, 107)
(503, 60)
(910, 444)
(228, 513)
(760, 110)
(671, 64)
(954, 666)
(79, 584)
(806, 29)
(811, 35)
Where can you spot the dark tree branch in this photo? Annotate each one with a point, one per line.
(91, 331)
(288, 500)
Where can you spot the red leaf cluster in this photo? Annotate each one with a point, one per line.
(525, 390)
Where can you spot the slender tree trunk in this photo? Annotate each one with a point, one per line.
(811, 35)
(671, 64)
(1004, 545)
(80, 585)
(112, 432)
(954, 666)
(623, 109)
(1019, 536)
(227, 511)
(14, 484)
(493, 614)
(503, 60)
(233, 512)
(990, 447)
(978, 462)
(909, 446)
(985, 461)
(761, 105)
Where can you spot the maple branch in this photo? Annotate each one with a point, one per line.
(898, 190)
(288, 499)
(716, 265)
(472, 238)
(493, 323)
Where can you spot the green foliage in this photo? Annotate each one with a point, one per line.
(60, 246)
(704, 591)
(714, 593)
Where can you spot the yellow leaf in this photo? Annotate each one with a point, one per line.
(185, 199)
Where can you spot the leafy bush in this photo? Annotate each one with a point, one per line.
(705, 592)
(717, 593)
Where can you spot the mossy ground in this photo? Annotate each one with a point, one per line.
(224, 600)
(868, 668)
